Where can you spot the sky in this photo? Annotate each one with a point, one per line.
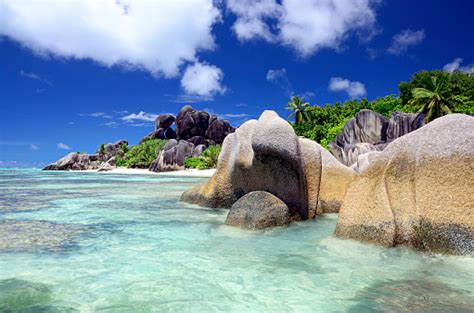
(75, 74)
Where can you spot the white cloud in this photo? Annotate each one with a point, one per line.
(203, 80)
(354, 89)
(304, 25)
(141, 116)
(97, 114)
(34, 147)
(33, 76)
(63, 146)
(456, 66)
(280, 78)
(156, 36)
(405, 39)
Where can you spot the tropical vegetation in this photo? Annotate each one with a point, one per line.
(141, 156)
(434, 93)
(208, 159)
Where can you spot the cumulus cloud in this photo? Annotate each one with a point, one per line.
(304, 25)
(141, 116)
(203, 80)
(63, 146)
(156, 36)
(456, 66)
(280, 78)
(405, 39)
(354, 89)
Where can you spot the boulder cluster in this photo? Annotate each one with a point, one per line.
(416, 192)
(370, 131)
(76, 161)
(195, 131)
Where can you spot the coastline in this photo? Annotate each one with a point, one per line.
(137, 171)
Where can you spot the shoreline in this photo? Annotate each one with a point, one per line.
(139, 171)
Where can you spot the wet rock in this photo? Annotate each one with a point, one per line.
(17, 295)
(418, 191)
(257, 210)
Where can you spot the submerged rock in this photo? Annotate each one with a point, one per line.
(31, 235)
(257, 210)
(266, 155)
(418, 191)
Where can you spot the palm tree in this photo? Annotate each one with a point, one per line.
(433, 102)
(298, 107)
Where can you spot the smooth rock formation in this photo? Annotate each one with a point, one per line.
(75, 161)
(370, 131)
(418, 191)
(258, 210)
(113, 149)
(164, 121)
(266, 155)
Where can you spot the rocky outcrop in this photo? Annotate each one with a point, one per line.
(369, 131)
(191, 122)
(218, 129)
(173, 155)
(76, 161)
(82, 161)
(258, 210)
(418, 191)
(266, 155)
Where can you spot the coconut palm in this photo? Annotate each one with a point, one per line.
(433, 102)
(298, 107)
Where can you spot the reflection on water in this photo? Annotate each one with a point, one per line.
(120, 243)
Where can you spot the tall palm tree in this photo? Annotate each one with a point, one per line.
(298, 107)
(433, 103)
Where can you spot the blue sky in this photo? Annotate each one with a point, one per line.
(77, 74)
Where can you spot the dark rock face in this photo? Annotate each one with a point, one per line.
(172, 157)
(190, 123)
(258, 210)
(369, 131)
(164, 121)
(218, 129)
(198, 140)
(113, 149)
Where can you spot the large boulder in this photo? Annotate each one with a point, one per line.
(257, 210)
(75, 161)
(164, 121)
(113, 149)
(370, 131)
(172, 157)
(418, 191)
(266, 155)
(191, 122)
(218, 129)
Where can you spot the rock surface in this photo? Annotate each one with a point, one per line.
(257, 210)
(369, 131)
(191, 122)
(218, 129)
(173, 155)
(266, 155)
(76, 161)
(418, 191)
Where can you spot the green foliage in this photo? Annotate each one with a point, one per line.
(101, 150)
(142, 155)
(298, 107)
(450, 85)
(208, 159)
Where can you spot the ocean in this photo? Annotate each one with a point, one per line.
(95, 242)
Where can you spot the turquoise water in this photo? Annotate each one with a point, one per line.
(93, 242)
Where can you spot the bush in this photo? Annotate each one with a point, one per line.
(208, 159)
(142, 155)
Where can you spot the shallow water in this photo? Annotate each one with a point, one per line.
(122, 243)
